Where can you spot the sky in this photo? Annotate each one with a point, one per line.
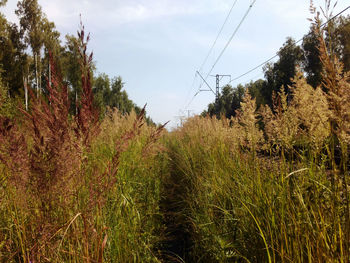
(157, 46)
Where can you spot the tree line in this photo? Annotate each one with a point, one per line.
(291, 57)
(25, 53)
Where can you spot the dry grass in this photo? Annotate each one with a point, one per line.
(270, 185)
(281, 197)
(56, 183)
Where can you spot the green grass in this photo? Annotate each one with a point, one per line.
(80, 189)
(242, 207)
(194, 196)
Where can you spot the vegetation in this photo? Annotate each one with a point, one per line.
(21, 68)
(290, 57)
(60, 172)
(277, 194)
(93, 183)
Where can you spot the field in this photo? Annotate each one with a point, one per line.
(268, 185)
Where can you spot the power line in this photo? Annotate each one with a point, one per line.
(192, 99)
(200, 90)
(268, 60)
(222, 52)
(217, 37)
(211, 48)
(210, 89)
(325, 23)
(230, 39)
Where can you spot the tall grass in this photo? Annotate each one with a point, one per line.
(242, 207)
(281, 196)
(81, 189)
(74, 189)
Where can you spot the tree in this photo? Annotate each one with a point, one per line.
(342, 35)
(30, 17)
(6, 103)
(281, 72)
(119, 98)
(223, 105)
(255, 90)
(312, 64)
(53, 48)
(228, 102)
(12, 58)
(337, 39)
(237, 98)
(109, 93)
(71, 70)
(101, 90)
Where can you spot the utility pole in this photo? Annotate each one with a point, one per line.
(210, 89)
(25, 84)
(216, 92)
(218, 78)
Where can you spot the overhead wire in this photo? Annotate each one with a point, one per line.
(227, 44)
(212, 47)
(192, 99)
(268, 60)
(232, 36)
(217, 37)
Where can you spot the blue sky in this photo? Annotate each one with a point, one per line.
(156, 46)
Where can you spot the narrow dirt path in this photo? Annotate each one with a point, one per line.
(180, 235)
(178, 232)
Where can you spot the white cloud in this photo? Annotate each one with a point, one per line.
(105, 13)
(296, 12)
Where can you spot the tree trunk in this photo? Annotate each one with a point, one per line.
(25, 84)
(50, 74)
(76, 103)
(36, 75)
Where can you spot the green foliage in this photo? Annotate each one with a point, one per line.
(75, 188)
(228, 102)
(255, 89)
(312, 64)
(230, 99)
(30, 18)
(68, 189)
(40, 35)
(342, 39)
(108, 93)
(280, 73)
(12, 59)
(6, 104)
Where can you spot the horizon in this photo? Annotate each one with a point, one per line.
(156, 47)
